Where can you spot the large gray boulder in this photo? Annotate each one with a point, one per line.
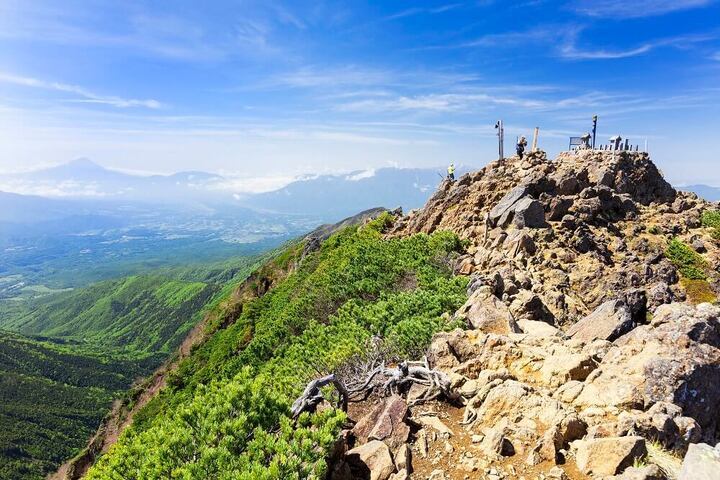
(485, 312)
(607, 322)
(504, 206)
(702, 462)
(528, 213)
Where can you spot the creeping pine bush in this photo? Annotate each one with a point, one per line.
(690, 263)
(226, 412)
(711, 218)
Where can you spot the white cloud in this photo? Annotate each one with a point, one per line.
(87, 96)
(570, 50)
(369, 173)
(623, 9)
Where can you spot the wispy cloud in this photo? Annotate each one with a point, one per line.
(446, 102)
(570, 50)
(421, 11)
(86, 95)
(508, 39)
(624, 9)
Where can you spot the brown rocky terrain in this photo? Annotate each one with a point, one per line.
(588, 352)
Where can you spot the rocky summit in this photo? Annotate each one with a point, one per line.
(591, 347)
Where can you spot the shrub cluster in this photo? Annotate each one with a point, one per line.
(225, 413)
(711, 219)
(690, 263)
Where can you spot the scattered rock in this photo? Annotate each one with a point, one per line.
(488, 313)
(608, 456)
(435, 423)
(371, 460)
(607, 322)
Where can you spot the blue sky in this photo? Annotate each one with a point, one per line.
(277, 89)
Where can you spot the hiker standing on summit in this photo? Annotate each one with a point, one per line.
(451, 172)
(521, 144)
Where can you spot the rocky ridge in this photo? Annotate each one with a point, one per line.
(586, 354)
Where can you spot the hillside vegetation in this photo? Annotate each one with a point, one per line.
(141, 314)
(82, 349)
(51, 401)
(226, 412)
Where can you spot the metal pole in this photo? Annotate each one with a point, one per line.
(535, 139)
(594, 130)
(501, 138)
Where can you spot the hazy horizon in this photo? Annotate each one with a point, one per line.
(283, 89)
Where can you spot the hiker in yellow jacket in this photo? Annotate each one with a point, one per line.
(451, 172)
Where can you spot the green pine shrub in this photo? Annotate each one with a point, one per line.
(690, 263)
(225, 412)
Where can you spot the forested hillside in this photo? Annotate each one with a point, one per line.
(52, 399)
(226, 412)
(81, 349)
(142, 314)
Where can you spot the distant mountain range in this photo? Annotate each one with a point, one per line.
(708, 193)
(331, 197)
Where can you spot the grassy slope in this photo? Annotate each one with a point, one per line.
(51, 401)
(225, 413)
(97, 340)
(143, 314)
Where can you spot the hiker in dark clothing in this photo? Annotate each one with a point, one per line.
(521, 144)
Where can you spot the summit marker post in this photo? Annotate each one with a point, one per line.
(501, 138)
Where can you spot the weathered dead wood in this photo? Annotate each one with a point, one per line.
(312, 396)
(405, 374)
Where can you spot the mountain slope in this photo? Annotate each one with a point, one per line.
(142, 314)
(257, 358)
(344, 195)
(51, 400)
(591, 243)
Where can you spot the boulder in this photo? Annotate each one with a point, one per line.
(403, 458)
(528, 213)
(560, 369)
(558, 208)
(608, 456)
(607, 322)
(529, 306)
(518, 242)
(488, 313)
(371, 460)
(538, 328)
(496, 443)
(675, 359)
(702, 462)
(386, 422)
(504, 206)
(648, 472)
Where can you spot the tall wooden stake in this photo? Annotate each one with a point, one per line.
(535, 139)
